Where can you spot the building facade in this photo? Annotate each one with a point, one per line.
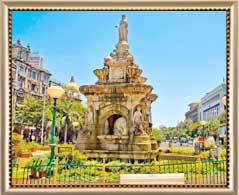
(211, 105)
(28, 74)
(193, 111)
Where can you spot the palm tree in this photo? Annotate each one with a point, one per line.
(68, 118)
(71, 112)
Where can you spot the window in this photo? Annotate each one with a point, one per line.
(21, 69)
(33, 87)
(43, 90)
(34, 74)
(20, 83)
(29, 73)
(20, 99)
(45, 78)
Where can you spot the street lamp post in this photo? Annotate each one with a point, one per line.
(54, 92)
(43, 115)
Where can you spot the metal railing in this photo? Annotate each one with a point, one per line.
(210, 172)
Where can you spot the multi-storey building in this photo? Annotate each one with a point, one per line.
(193, 111)
(211, 104)
(28, 74)
(209, 107)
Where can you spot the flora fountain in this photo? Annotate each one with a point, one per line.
(118, 122)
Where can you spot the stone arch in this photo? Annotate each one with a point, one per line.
(112, 109)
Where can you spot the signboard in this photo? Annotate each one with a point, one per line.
(64, 150)
(222, 131)
(201, 139)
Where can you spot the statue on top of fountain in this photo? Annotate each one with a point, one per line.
(123, 29)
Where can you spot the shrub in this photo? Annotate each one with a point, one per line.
(223, 153)
(32, 145)
(188, 151)
(18, 146)
(115, 165)
(78, 156)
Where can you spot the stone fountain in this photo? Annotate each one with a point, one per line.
(118, 120)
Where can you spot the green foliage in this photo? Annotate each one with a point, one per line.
(195, 126)
(213, 125)
(32, 144)
(157, 134)
(68, 111)
(115, 165)
(78, 156)
(16, 139)
(36, 161)
(31, 111)
(188, 151)
(222, 118)
(92, 163)
(181, 130)
(223, 153)
(71, 112)
(18, 145)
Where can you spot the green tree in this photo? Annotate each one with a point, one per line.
(157, 134)
(222, 118)
(195, 126)
(183, 128)
(213, 125)
(72, 111)
(68, 111)
(31, 111)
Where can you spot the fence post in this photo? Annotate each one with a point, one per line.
(155, 165)
(199, 168)
(103, 170)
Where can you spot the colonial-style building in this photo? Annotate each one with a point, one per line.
(193, 111)
(211, 104)
(28, 74)
(209, 107)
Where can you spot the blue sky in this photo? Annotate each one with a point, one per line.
(182, 53)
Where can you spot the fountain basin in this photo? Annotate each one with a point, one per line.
(113, 142)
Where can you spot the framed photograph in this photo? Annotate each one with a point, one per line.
(119, 97)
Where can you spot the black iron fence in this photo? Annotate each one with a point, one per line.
(210, 172)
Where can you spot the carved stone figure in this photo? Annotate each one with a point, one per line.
(120, 126)
(90, 116)
(123, 29)
(138, 122)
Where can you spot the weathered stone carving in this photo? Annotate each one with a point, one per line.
(123, 29)
(102, 74)
(138, 122)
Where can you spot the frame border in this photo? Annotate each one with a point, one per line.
(231, 8)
